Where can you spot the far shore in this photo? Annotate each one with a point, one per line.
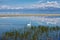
(17, 15)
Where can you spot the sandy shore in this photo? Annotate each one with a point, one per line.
(17, 15)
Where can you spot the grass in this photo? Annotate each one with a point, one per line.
(31, 33)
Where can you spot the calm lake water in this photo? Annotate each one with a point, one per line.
(7, 23)
(10, 23)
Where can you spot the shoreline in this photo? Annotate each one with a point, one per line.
(17, 15)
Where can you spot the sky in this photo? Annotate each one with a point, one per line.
(21, 4)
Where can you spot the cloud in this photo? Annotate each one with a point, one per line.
(53, 4)
(40, 4)
(47, 4)
(10, 7)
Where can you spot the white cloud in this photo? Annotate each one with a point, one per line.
(47, 4)
(10, 7)
(40, 4)
(53, 4)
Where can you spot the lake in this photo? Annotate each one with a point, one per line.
(7, 23)
(11, 23)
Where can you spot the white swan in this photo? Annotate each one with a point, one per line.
(29, 25)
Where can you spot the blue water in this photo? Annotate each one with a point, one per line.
(7, 23)
(11, 23)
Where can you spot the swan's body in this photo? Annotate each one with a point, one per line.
(29, 25)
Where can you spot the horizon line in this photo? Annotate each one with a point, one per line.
(17, 15)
